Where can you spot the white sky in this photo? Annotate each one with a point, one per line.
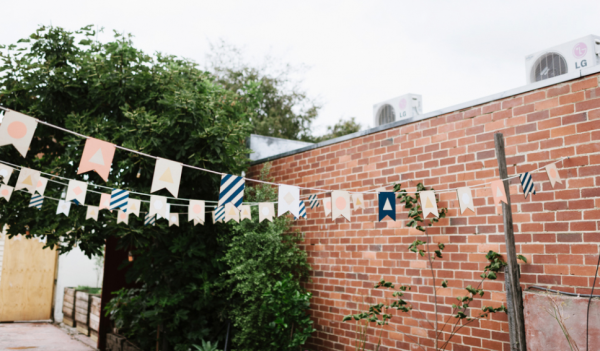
(359, 52)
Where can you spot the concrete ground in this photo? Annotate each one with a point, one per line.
(40, 336)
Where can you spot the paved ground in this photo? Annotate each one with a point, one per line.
(38, 337)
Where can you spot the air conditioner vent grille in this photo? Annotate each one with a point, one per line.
(549, 65)
(386, 114)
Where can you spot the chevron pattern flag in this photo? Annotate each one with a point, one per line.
(149, 220)
(220, 213)
(36, 201)
(527, 183)
(119, 199)
(314, 202)
(302, 210)
(232, 190)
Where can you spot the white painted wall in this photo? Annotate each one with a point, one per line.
(74, 269)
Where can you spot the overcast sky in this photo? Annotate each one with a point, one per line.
(359, 52)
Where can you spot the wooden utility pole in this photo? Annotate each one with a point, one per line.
(514, 295)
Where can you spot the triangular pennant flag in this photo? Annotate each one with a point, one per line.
(387, 205)
(358, 201)
(219, 214)
(104, 202)
(149, 219)
(553, 174)
(327, 206)
(119, 199)
(232, 190)
(133, 207)
(158, 205)
(231, 213)
(266, 211)
(63, 207)
(36, 201)
(245, 212)
(5, 173)
(167, 175)
(314, 202)
(97, 156)
(76, 191)
(340, 201)
(92, 212)
(40, 187)
(302, 210)
(289, 197)
(28, 179)
(6, 192)
(465, 199)
(428, 203)
(122, 217)
(527, 183)
(196, 210)
(17, 129)
(173, 219)
(499, 193)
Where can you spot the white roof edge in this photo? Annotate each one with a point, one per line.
(480, 101)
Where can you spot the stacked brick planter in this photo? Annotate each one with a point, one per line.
(557, 229)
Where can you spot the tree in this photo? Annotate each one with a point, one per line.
(160, 105)
(285, 110)
(339, 129)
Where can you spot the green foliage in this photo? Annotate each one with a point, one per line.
(286, 303)
(89, 289)
(411, 203)
(206, 346)
(261, 256)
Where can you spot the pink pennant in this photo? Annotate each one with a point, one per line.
(97, 156)
(104, 202)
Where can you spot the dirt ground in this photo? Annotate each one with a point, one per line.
(40, 336)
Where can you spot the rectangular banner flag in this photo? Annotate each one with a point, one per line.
(36, 201)
(387, 205)
(118, 199)
(232, 190)
(314, 202)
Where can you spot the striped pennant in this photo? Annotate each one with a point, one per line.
(314, 202)
(232, 190)
(149, 220)
(119, 199)
(219, 213)
(527, 183)
(36, 201)
(302, 210)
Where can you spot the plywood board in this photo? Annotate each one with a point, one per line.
(27, 283)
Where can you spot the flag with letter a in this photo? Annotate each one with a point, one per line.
(28, 179)
(97, 156)
(428, 203)
(167, 175)
(387, 205)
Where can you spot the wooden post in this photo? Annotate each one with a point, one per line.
(514, 296)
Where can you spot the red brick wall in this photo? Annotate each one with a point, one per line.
(557, 229)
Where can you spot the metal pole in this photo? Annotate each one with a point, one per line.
(514, 295)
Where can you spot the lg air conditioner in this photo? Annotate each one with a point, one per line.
(397, 109)
(563, 59)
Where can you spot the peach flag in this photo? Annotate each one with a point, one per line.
(97, 156)
(498, 193)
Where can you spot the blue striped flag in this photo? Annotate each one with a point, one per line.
(232, 190)
(302, 210)
(219, 213)
(527, 183)
(119, 199)
(314, 202)
(149, 220)
(36, 201)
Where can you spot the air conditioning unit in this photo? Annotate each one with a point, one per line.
(563, 59)
(397, 109)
